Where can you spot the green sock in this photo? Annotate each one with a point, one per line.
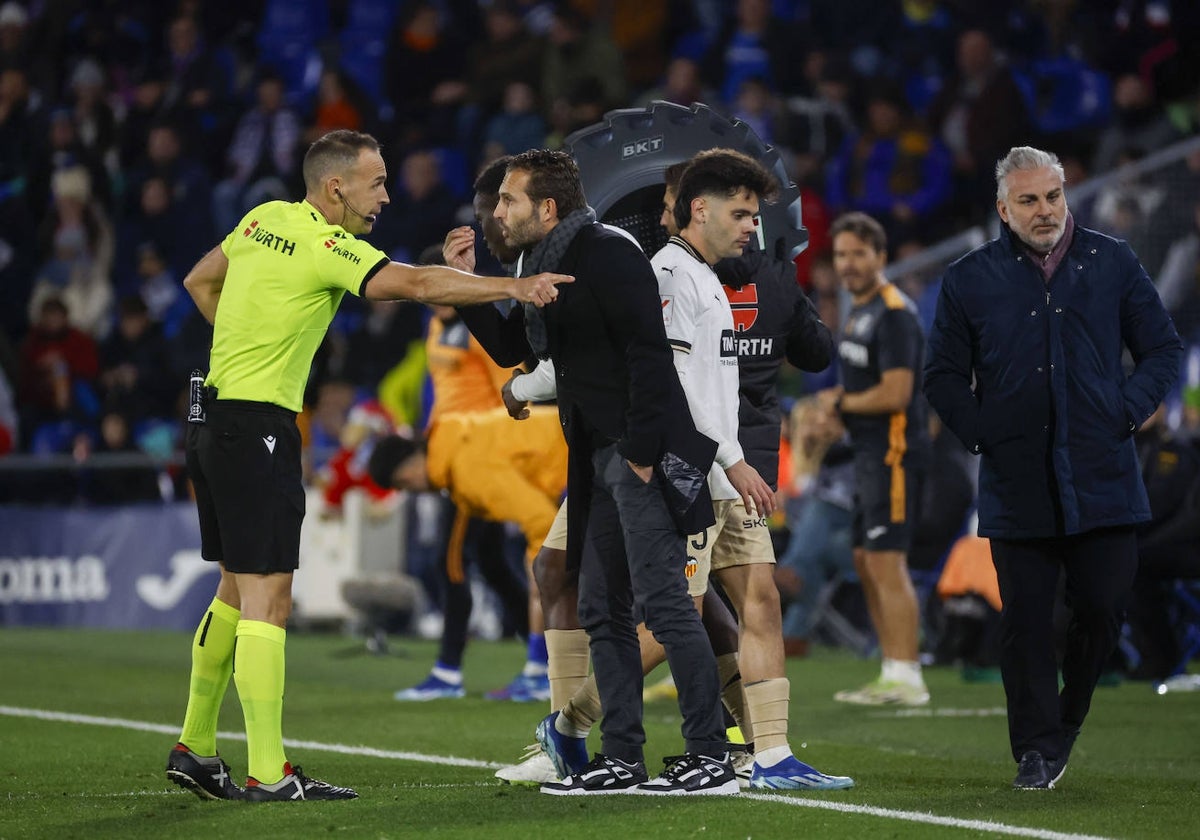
(212, 663)
(258, 672)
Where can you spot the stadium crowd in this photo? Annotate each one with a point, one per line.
(135, 135)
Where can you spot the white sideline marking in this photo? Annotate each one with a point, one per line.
(920, 817)
(777, 799)
(344, 749)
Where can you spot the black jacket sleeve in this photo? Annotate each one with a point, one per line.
(502, 336)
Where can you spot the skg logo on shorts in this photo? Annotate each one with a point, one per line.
(637, 148)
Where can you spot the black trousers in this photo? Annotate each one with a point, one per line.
(472, 541)
(633, 564)
(1100, 566)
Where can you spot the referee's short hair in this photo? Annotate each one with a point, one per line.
(389, 453)
(333, 153)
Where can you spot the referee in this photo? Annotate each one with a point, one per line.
(270, 290)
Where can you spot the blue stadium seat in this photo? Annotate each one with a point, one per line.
(288, 42)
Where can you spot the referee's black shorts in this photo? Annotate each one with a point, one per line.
(886, 503)
(244, 463)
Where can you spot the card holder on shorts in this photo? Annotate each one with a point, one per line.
(199, 396)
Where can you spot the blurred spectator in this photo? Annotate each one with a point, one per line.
(1168, 545)
(860, 29)
(378, 343)
(681, 84)
(517, 127)
(196, 89)
(507, 53)
(189, 185)
(78, 237)
(160, 222)
(756, 44)
(922, 50)
(1125, 208)
(579, 49)
(95, 122)
(135, 366)
(262, 156)
(979, 115)
(56, 367)
(16, 50)
(818, 549)
(585, 106)
(421, 211)
(366, 424)
(1179, 279)
(758, 107)
(425, 66)
(1138, 122)
(947, 496)
(10, 424)
(339, 105)
(117, 485)
(894, 170)
(60, 148)
(815, 127)
(161, 290)
(642, 32)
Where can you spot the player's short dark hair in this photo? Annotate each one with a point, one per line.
(389, 453)
(724, 173)
(489, 180)
(862, 226)
(674, 173)
(334, 152)
(552, 174)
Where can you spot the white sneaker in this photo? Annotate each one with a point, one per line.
(885, 693)
(743, 766)
(534, 768)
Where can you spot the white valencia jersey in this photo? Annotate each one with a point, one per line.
(699, 325)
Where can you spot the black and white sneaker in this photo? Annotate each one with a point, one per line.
(294, 786)
(693, 775)
(206, 776)
(602, 775)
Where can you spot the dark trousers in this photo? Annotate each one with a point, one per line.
(471, 541)
(633, 564)
(1099, 567)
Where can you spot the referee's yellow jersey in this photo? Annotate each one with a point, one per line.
(288, 271)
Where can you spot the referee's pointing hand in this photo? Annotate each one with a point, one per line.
(540, 288)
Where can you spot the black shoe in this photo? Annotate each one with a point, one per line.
(1033, 773)
(1057, 766)
(294, 785)
(602, 775)
(693, 775)
(205, 777)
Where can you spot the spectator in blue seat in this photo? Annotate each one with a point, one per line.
(163, 156)
(56, 362)
(754, 44)
(135, 365)
(979, 115)
(421, 211)
(263, 155)
(895, 170)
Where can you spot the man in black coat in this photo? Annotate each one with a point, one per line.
(1025, 368)
(636, 471)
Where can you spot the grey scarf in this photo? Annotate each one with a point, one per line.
(546, 256)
